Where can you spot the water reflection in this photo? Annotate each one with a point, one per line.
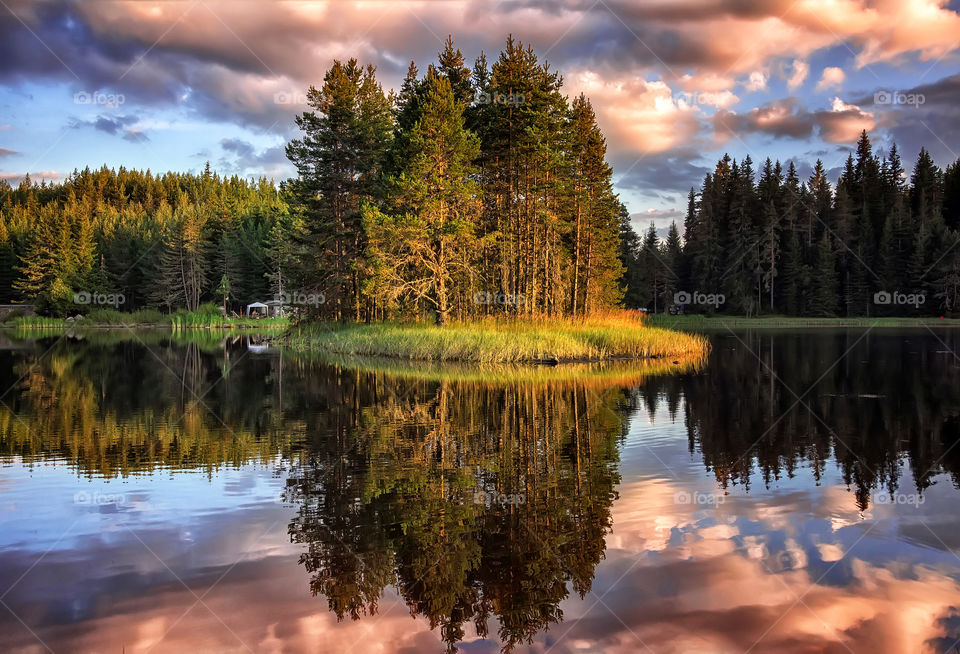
(866, 401)
(677, 507)
(474, 501)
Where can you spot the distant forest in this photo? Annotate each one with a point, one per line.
(881, 243)
(465, 193)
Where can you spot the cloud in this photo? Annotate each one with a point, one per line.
(798, 74)
(5, 152)
(246, 65)
(756, 82)
(844, 122)
(660, 218)
(123, 126)
(49, 175)
(637, 115)
(784, 118)
(832, 77)
(778, 118)
(228, 59)
(926, 115)
(675, 172)
(242, 157)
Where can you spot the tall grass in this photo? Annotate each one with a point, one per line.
(617, 335)
(207, 316)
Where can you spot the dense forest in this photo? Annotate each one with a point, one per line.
(470, 193)
(880, 243)
(465, 193)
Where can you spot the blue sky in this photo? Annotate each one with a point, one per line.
(170, 85)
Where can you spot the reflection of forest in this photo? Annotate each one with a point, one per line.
(396, 473)
(393, 471)
(394, 501)
(121, 405)
(889, 397)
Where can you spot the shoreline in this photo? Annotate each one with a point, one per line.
(784, 322)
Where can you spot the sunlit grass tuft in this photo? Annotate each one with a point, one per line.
(616, 335)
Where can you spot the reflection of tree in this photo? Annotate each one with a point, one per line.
(888, 399)
(123, 408)
(406, 495)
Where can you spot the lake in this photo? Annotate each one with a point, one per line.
(797, 491)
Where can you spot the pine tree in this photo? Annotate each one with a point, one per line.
(823, 296)
(339, 160)
(672, 258)
(629, 253)
(426, 233)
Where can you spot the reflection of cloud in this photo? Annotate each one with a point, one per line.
(698, 579)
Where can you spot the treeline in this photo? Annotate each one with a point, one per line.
(465, 193)
(880, 243)
(131, 239)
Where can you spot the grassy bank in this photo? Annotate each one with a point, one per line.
(615, 336)
(720, 322)
(205, 318)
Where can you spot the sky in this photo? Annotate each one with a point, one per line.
(170, 85)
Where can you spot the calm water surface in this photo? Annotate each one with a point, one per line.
(796, 492)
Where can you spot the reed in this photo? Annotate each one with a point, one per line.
(609, 336)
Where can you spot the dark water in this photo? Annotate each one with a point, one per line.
(796, 493)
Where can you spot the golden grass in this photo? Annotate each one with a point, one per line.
(615, 335)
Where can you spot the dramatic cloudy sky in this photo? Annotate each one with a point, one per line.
(676, 83)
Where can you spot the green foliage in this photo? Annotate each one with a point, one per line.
(784, 247)
(158, 241)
